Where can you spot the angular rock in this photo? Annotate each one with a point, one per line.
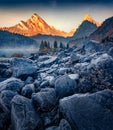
(64, 125)
(61, 54)
(37, 86)
(52, 128)
(98, 75)
(27, 90)
(43, 58)
(3, 66)
(63, 71)
(74, 76)
(22, 67)
(65, 86)
(74, 58)
(51, 80)
(89, 111)
(45, 100)
(51, 117)
(50, 61)
(12, 84)
(34, 56)
(44, 84)
(23, 115)
(6, 73)
(5, 100)
(29, 80)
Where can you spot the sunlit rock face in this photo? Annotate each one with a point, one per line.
(36, 25)
(90, 19)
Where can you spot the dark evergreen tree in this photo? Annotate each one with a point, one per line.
(48, 45)
(42, 45)
(67, 45)
(55, 45)
(61, 45)
(45, 44)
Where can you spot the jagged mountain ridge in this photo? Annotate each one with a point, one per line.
(87, 27)
(105, 30)
(89, 18)
(34, 26)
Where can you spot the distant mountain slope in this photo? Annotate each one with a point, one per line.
(85, 29)
(88, 26)
(106, 30)
(36, 25)
(8, 39)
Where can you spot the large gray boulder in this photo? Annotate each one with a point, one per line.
(5, 108)
(98, 75)
(45, 99)
(89, 111)
(23, 115)
(22, 67)
(65, 86)
(5, 100)
(12, 84)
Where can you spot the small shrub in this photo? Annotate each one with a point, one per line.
(19, 55)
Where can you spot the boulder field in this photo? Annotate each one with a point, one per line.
(61, 90)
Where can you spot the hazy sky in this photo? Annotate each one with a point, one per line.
(62, 14)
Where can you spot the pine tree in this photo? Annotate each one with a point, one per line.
(55, 45)
(48, 45)
(61, 45)
(67, 45)
(42, 45)
(45, 44)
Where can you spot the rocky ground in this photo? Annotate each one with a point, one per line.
(67, 89)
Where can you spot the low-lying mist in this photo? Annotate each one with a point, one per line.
(18, 51)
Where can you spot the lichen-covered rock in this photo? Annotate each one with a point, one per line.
(65, 86)
(7, 73)
(23, 115)
(27, 90)
(22, 67)
(12, 84)
(98, 75)
(3, 66)
(44, 84)
(29, 80)
(5, 99)
(89, 111)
